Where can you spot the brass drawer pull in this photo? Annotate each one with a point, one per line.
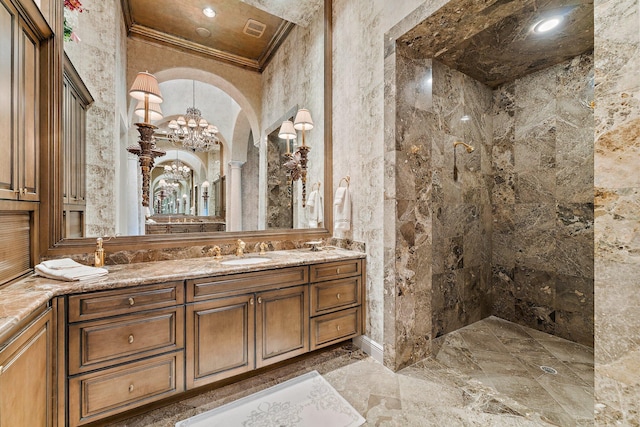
(131, 339)
(338, 270)
(251, 301)
(259, 300)
(130, 388)
(131, 301)
(338, 296)
(338, 327)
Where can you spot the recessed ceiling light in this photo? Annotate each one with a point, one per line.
(209, 12)
(547, 24)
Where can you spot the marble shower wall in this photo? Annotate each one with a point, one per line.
(617, 207)
(460, 204)
(443, 223)
(542, 200)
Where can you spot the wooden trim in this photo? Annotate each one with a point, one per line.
(51, 233)
(277, 40)
(76, 81)
(328, 116)
(59, 373)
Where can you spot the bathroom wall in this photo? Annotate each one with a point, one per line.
(279, 211)
(617, 211)
(443, 223)
(543, 200)
(461, 207)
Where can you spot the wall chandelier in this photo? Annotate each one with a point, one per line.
(193, 131)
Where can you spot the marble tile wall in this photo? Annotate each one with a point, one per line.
(617, 211)
(542, 200)
(279, 211)
(460, 201)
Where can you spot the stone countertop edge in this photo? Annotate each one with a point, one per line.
(23, 297)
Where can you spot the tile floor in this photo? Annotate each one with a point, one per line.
(486, 374)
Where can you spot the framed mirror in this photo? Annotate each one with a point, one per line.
(255, 104)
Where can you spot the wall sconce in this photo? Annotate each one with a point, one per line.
(145, 89)
(296, 163)
(205, 197)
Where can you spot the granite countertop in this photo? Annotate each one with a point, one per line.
(22, 298)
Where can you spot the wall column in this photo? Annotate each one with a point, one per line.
(234, 208)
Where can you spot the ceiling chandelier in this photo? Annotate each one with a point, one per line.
(193, 131)
(177, 171)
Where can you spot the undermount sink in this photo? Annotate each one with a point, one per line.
(245, 261)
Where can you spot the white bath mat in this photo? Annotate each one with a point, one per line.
(304, 401)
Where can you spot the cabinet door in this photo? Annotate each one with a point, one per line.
(28, 129)
(220, 339)
(8, 102)
(25, 377)
(282, 325)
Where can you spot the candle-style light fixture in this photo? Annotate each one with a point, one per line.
(145, 88)
(296, 163)
(205, 198)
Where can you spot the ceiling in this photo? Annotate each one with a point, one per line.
(244, 33)
(493, 42)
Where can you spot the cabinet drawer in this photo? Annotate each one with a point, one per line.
(232, 284)
(336, 270)
(334, 327)
(100, 394)
(101, 343)
(331, 296)
(122, 301)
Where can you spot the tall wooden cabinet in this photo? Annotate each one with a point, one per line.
(26, 376)
(19, 106)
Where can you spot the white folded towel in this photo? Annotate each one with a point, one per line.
(315, 212)
(59, 264)
(342, 209)
(68, 270)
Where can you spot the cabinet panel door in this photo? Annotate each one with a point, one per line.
(25, 377)
(28, 166)
(8, 102)
(282, 325)
(220, 339)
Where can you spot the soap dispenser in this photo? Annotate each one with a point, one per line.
(99, 255)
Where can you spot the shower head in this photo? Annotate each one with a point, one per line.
(468, 147)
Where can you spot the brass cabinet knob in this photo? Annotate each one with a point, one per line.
(130, 388)
(131, 301)
(251, 301)
(259, 300)
(337, 296)
(338, 327)
(337, 270)
(131, 339)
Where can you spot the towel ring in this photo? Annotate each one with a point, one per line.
(316, 185)
(346, 179)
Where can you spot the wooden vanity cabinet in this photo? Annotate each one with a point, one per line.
(125, 349)
(336, 298)
(26, 364)
(241, 322)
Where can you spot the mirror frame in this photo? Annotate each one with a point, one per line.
(51, 241)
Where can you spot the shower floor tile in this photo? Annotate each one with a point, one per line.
(485, 374)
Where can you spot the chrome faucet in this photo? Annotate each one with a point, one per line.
(240, 247)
